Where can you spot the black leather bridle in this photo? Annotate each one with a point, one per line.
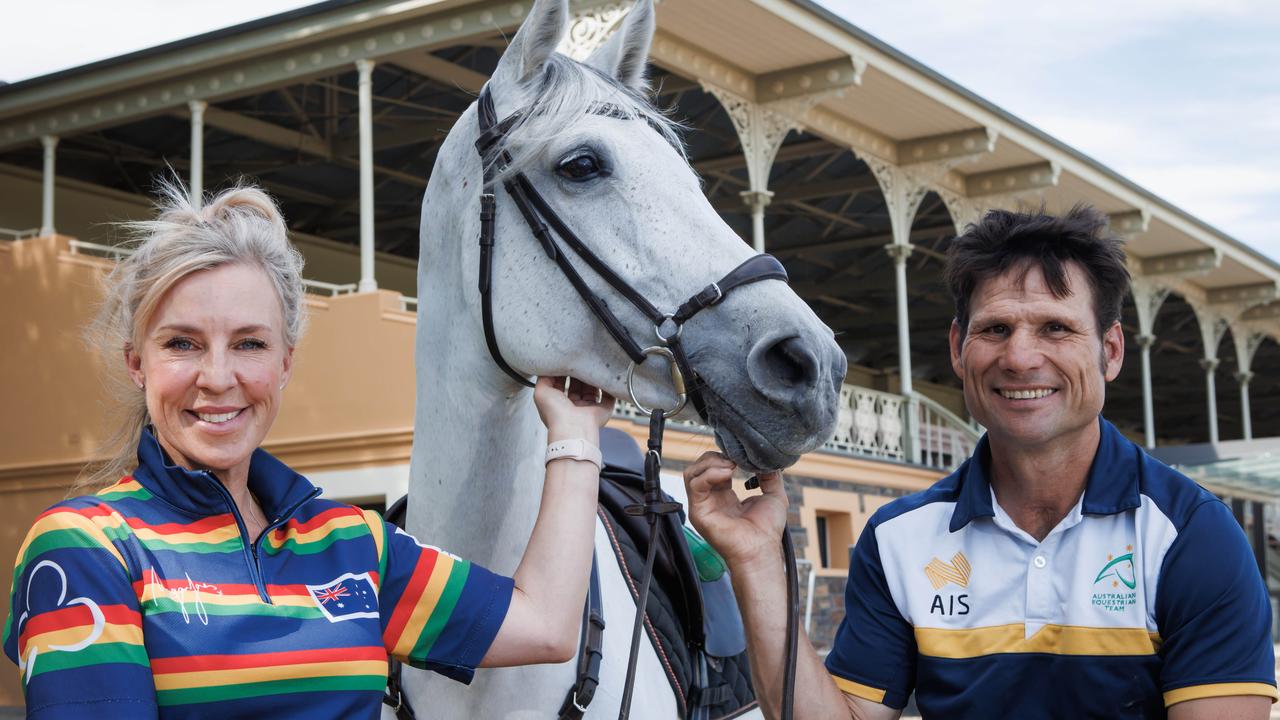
(546, 225)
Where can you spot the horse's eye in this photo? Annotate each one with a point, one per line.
(579, 167)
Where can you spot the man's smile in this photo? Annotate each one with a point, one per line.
(1028, 393)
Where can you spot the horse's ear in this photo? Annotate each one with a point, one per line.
(536, 40)
(625, 55)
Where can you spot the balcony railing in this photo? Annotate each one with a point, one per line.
(19, 234)
(112, 252)
(872, 424)
(318, 287)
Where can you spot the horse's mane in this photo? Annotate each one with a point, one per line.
(563, 93)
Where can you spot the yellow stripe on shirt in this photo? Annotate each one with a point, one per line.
(1051, 639)
(856, 689)
(1196, 692)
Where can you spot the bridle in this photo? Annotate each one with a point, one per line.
(543, 220)
(667, 327)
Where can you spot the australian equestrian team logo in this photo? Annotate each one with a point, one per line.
(1115, 587)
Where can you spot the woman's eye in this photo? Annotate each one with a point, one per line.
(579, 167)
(180, 344)
(252, 344)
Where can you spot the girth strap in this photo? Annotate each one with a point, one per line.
(590, 651)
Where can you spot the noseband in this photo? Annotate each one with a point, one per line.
(543, 220)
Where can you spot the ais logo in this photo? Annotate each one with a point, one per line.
(941, 574)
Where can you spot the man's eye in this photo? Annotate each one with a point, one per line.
(998, 330)
(579, 167)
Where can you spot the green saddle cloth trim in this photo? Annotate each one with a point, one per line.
(709, 563)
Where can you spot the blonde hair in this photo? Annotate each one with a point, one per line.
(239, 225)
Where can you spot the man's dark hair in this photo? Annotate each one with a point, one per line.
(1002, 241)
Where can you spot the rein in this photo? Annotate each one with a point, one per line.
(545, 225)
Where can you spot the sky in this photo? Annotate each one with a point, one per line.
(1180, 96)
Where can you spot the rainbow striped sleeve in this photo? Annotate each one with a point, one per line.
(439, 611)
(74, 625)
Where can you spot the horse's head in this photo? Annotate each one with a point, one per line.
(771, 370)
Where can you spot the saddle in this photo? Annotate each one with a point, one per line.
(692, 617)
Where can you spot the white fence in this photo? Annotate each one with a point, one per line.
(872, 424)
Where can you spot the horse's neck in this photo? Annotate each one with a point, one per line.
(477, 457)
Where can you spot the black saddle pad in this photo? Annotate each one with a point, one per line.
(705, 685)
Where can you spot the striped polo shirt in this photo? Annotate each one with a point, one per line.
(147, 600)
(1146, 594)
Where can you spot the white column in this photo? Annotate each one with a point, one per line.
(1213, 326)
(1148, 413)
(365, 69)
(900, 253)
(1243, 378)
(46, 215)
(1246, 339)
(1210, 366)
(758, 200)
(196, 182)
(902, 197)
(1148, 296)
(911, 431)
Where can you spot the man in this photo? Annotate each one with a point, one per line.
(1060, 572)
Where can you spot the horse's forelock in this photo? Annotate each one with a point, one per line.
(562, 94)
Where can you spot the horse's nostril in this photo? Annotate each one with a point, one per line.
(790, 362)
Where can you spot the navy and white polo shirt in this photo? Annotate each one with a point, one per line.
(1145, 595)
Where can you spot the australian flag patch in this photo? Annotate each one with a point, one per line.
(346, 597)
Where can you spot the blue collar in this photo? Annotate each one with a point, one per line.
(280, 490)
(1111, 487)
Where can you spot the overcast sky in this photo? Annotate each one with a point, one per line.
(1180, 96)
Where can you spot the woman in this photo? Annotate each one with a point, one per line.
(212, 581)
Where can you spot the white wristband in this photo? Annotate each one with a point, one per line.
(575, 449)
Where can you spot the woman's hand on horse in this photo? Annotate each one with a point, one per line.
(744, 531)
(578, 413)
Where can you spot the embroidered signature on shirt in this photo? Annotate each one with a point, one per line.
(181, 594)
